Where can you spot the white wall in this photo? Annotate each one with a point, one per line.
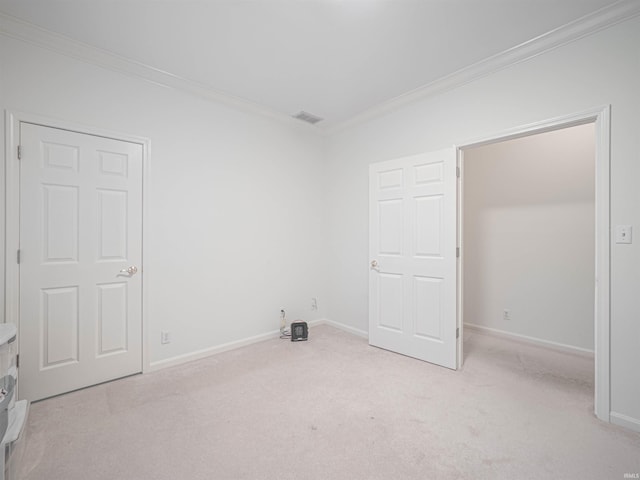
(235, 200)
(596, 70)
(529, 236)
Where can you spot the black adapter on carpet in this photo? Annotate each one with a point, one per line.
(299, 331)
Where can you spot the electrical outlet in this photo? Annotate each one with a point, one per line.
(314, 303)
(165, 337)
(506, 315)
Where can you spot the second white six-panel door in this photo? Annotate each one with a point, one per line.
(80, 266)
(412, 247)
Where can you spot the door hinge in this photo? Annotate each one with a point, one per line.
(458, 172)
(18, 361)
(18, 257)
(457, 252)
(19, 152)
(458, 332)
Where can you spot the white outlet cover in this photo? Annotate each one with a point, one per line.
(624, 233)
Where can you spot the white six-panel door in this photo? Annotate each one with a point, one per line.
(80, 231)
(412, 283)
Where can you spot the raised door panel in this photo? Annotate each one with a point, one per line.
(60, 157)
(59, 327)
(60, 224)
(390, 179)
(428, 174)
(428, 226)
(112, 315)
(112, 224)
(390, 305)
(427, 311)
(390, 213)
(113, 164)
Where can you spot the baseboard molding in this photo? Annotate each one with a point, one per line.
(625, 421)
(346, 328)
(207, 352)
(315, 323)
(561, 347)
(225, 347)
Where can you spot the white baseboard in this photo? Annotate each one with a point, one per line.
(625, 421)
(207, 352)
(316, 322)
(346, 328)
(561, 347)
(225, 347)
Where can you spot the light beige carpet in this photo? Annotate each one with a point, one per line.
(335, 408)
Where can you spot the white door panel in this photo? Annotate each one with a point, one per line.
(412, 306)
(80, 226)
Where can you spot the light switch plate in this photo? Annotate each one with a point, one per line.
(623, 233)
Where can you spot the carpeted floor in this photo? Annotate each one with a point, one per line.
(335, 408)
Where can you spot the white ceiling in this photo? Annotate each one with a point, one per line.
(332, 58)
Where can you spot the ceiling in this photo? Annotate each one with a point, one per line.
(332, 58)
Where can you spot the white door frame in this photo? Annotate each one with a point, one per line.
(599, 116)
(12, 209)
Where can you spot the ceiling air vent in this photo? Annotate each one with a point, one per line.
(307, 117)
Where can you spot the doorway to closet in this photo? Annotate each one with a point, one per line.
(529, 236)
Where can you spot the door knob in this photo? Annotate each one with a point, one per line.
(132, 270)
(374, 264)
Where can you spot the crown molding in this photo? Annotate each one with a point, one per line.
(570, 32)
(587, 25)
(29, 33)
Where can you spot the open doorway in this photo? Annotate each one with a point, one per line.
(529, 236)
(530, 226)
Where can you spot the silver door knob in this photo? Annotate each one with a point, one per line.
(132, 270)
(374, 264)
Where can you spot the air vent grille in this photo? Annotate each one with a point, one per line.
(307, 117)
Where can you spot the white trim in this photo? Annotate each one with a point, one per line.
(346, 328)
(583, 117)
(27, 32)
(601, 117)
(603, 266)
(316, 322)
(587, 25)
(209, 351)
(625, 421)
(460, 260)
(572, 31)
(225, 347)
(12, 213)
(516, 337)
(11, 220)
(146, 175)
